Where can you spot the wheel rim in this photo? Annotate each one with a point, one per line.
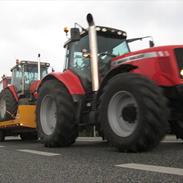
(2, 108)
(123, 113)
(48, 115)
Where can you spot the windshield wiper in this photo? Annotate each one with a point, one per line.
(151, 42)
(136, 39)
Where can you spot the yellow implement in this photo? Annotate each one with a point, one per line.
(25, 118)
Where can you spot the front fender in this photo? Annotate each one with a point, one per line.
(13, 91)
(69, 79)
(115, 71)
(33, 88)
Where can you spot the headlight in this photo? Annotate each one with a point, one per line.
(119, 33)
(181, 72)
(104, 30)
(98, 28)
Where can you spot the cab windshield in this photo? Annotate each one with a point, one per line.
(22, 77)
(106, 46)
(31, 72)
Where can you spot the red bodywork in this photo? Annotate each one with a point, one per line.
(6, 84)
(5, 81)
(70, 80)
(157, 63)
(33, 88)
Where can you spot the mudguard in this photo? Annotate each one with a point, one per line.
(13, 91)
(33, 88)
(69, 79)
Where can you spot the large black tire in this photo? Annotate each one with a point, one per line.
(8, 105)
(132, 112)
(29, 136)
(55, 115)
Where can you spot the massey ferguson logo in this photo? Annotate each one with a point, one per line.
(140, 57)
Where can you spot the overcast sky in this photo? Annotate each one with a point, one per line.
(31, 27)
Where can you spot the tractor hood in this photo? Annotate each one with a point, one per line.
(160, 51)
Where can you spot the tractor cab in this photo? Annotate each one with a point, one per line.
(111, 43)
(25, 73)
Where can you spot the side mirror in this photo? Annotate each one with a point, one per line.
(75, 34)
(151, 44)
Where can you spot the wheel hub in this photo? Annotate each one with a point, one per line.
(48, 114)
(129, 113)
(123, 113)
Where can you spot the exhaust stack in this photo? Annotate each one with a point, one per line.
(39, 67)
(93, 53)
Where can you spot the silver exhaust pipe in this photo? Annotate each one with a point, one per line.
(93, 53)
(39, 66)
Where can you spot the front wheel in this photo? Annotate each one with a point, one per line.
(55, 115)
(132, 113)
(8, 105)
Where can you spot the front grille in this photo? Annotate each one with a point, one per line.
(179, 57)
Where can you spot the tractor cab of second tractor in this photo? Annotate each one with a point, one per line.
(25, 76)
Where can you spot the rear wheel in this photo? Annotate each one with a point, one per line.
(132, 113)
(55, 115)
(29, 136)
(8, 105)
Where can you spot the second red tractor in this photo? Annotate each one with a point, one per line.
(18, 100)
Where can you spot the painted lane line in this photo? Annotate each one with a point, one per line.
(152, 168)
(2, 146)
(38, 152)
(169, 141)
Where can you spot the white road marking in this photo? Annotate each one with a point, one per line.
(89, 139)
(2, 146)
(38, 152)
(152, 168)
(169, 141)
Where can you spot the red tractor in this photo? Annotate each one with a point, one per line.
(132, 98)
(18, 99)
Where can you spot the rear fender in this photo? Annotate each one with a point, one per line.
(69, 79)
(13, 91)
(33, 88)
(115, 71)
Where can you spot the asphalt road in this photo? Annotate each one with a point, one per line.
(89, 160)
